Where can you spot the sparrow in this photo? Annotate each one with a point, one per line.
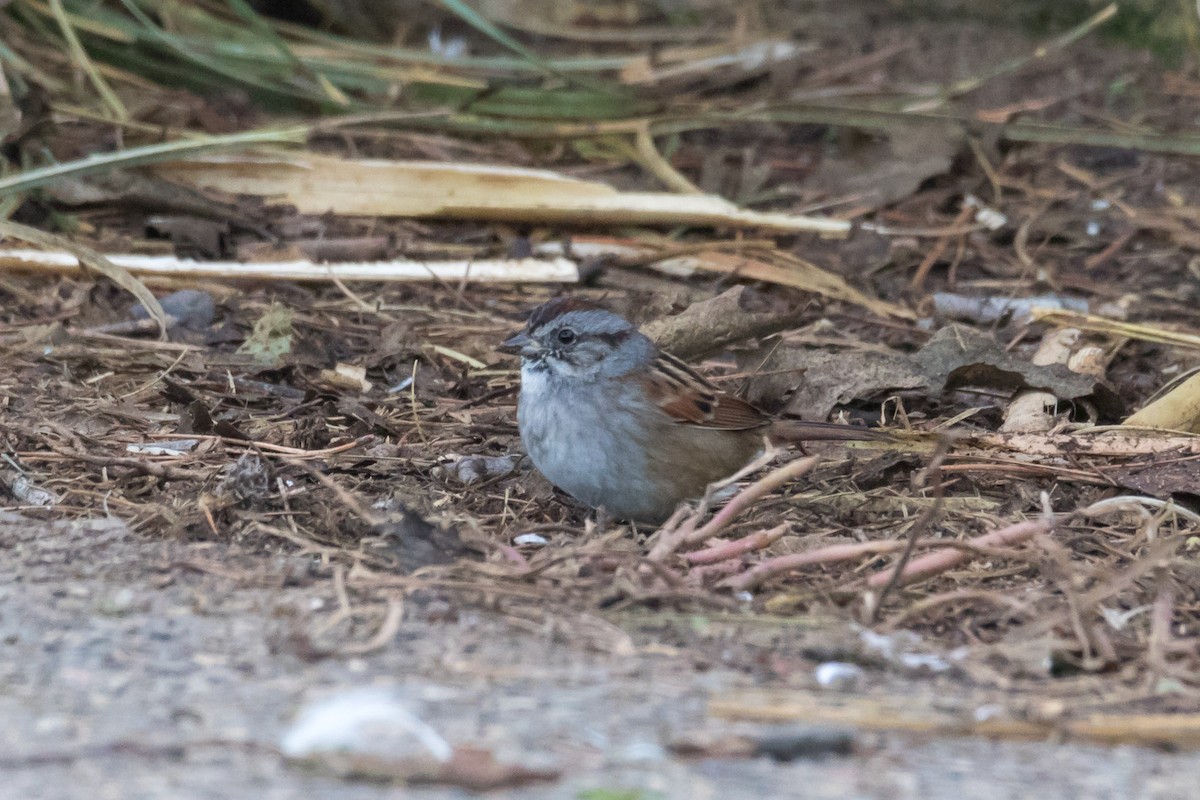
(619, 424)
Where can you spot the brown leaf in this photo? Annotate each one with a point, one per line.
(883, 169)
(819, 380)
(709, 326)
(958, 357)
(1163, 476)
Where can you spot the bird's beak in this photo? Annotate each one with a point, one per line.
(522, 344)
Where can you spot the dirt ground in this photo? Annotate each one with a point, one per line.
(136, 669)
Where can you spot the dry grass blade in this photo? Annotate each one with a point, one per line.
(739, 547)
(523, 270)
(1130, 330)
(1041, 52)
(1178, 409)
(1182, 730)
(932, 473)
(90, 258)
(684, 528)
(317, 184)
(745, 499)
(145, 154)
(751, 260)
(780, 268)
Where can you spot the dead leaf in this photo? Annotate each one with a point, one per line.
(815, 381)
(1163, 476)
(346, 377)
(712, 325)
(879, 170)
(959, 357)
(187, 308)
(192, 235)
(271, 339)
(478, 468)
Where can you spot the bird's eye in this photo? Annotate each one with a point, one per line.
(566, 335)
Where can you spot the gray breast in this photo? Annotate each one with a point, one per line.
(585, 437)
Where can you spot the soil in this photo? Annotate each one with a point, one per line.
(136, 668)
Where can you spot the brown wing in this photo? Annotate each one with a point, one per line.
(689, 399)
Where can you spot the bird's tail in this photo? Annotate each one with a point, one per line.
(795, 430)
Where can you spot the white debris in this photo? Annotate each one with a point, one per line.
(173, 448)
(985, 215)
(362, 721)
(1118, 619)
(987, 310)
(838, 675)
(454, 47)
(989, 711)
(899, 648)
(25, 491)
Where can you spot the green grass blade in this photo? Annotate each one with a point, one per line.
(269, 34)
(81, 58)
(493, 32)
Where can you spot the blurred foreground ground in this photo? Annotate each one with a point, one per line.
(112, 640)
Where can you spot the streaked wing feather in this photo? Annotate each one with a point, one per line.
(689, 399)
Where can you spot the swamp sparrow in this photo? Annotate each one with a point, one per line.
(615, 422)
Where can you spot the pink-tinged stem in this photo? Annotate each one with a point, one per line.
(822, 555)
(738, 547)
(703, 574)
(513, 554)
(941, 560)
(750, 495)
(672, 534)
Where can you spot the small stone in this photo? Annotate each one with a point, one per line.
(191, 308)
